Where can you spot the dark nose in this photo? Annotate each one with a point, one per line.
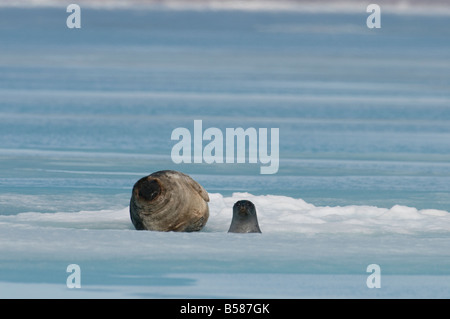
(243, 206)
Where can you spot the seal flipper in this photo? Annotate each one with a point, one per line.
(199, 189)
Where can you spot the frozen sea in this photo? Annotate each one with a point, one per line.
(364, 175)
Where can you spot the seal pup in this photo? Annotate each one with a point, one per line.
(244, 218)
(169, 201)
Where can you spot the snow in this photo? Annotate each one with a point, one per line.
(276, 214)
(304, 252)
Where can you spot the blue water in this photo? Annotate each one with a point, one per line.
(364, 115)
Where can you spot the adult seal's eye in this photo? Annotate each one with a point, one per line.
(244, 218)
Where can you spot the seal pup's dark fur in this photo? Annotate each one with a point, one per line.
(244, 218)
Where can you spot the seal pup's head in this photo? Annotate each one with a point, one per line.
(244, 218)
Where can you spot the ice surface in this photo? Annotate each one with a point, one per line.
(402, 6)
(364, 151)
(304, 251)
(277, 214)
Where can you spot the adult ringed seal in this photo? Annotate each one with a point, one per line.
(169, 201)
(244, 218)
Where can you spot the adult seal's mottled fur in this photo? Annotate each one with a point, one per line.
(169, 201)
(244, 218)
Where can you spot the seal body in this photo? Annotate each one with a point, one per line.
(244, 218)
(169, 201)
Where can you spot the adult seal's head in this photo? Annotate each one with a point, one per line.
(244, 218)
(169, 201)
